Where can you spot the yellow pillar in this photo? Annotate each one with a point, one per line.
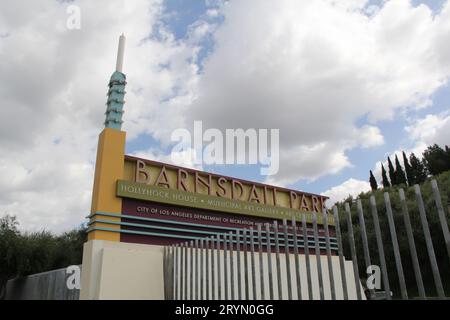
(109, 168)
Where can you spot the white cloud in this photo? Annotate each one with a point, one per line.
(351, 187)
(309, 68)
(422, 132)
(53, 93)
(431, 129)
(315, 68)
(370, 136)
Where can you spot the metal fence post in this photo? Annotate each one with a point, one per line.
(175, 270)
(340, 252)
(252, 250)
(219, 273)
(412, 245)
(351, 239)
(239, 271)
(365, 243)
(207, 267)
(398, 259)
(306, 251)
(441, 213)
(269, 261)
(213, 271)
(376, 224)
(429, 243)
(297, 262)
(318, 257)
(277, 257)
(246, 281)
(231, 264)
(328, 248)
(261, 264)
(191, 271)
(288, 261)
(225, 264)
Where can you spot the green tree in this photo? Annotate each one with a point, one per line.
(436, 160)
(408, 169)
(392, 175)
(373, 182)
(438, 239)
(418, 170)
(9, 247)
(22, 254)
(399, 173)
(385, 180)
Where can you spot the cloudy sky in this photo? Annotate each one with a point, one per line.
(346, 82)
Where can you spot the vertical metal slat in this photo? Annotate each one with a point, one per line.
(337, 225)
(318, 257)
(429, 243)
(328, 248)
(412, 244)
(277, 258)
(269, 261)
(351, 239)
(288, 262)
(261, 263)
(380, 247)
(397, 257)
(308, 262)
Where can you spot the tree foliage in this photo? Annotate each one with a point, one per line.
(392, 175)
(434, 225)
(373, 182)
(419, 172)
(408, 170)
(399, 173)
(22, 254)
(436, 159)
(386, 183)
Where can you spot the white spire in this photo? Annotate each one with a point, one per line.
(120, 53)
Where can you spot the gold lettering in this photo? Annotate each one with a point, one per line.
(292, 198)
(316, 204)
(304, 203)
(235, 183)
(220, 184)
(207, 184)
(140, 170)
(265, 194)
(162, 178)
(275, 197)
(182, 176)
(254, 195)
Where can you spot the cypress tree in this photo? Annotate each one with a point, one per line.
(385, 179)
(419, 172)
(373, 182)
(392, 175)
(399, 173)
(408, 170)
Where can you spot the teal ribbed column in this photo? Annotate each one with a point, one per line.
(116, 95)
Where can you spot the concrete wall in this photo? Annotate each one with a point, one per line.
(350, 280)
(113, 270)
(117, 270)
(42, 286)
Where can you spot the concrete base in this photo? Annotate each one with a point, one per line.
(115, 270)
